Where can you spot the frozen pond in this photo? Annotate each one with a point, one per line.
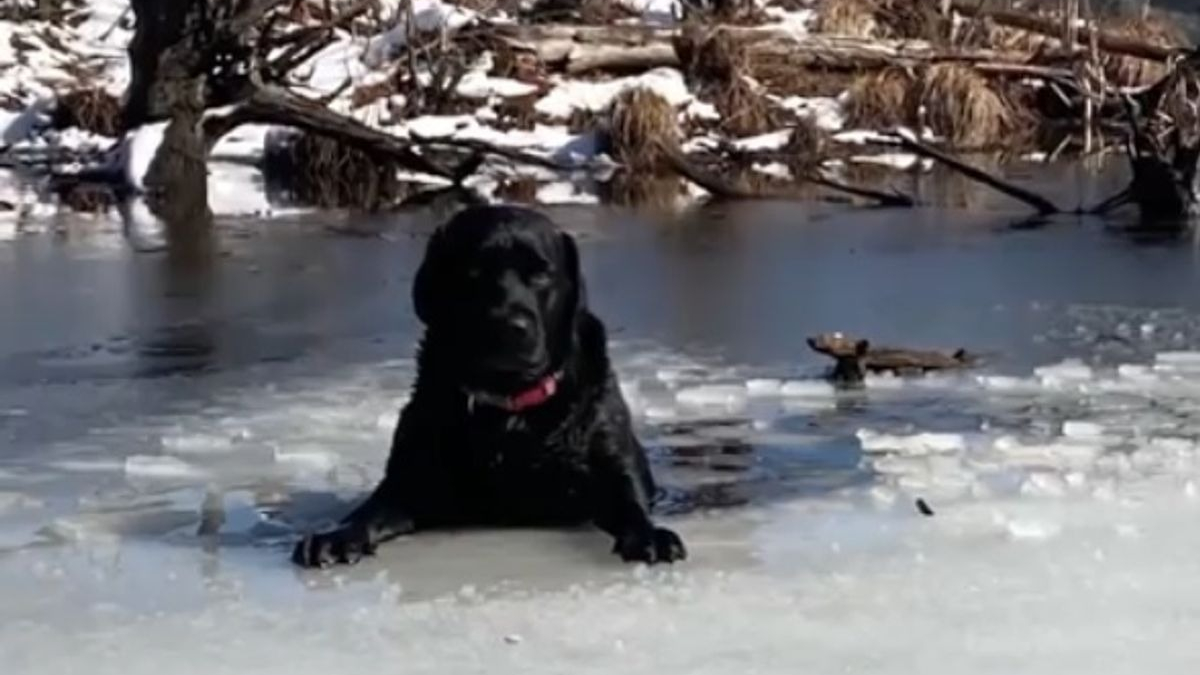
(168, 420)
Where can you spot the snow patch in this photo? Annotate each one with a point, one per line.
(429, 16)
(569, 96)
(138, 150)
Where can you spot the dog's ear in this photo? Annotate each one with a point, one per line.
(862, 347)
(577, 298)
(430, 280)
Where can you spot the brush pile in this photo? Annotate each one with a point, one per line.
(506, 98)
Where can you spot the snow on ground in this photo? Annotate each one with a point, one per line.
(572, 95)
(428, 16)
(1063, 539)
(32, 73)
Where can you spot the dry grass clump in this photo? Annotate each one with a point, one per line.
(519, 190)
(854, 18)
(744, 110)
(782, 76)
(603, 12)
(365, 95)
(709, 57)
(87, 197)
(728, 12)
(911, 19)
(317, 170)
(640, 123)
(91, 109)
(960, 105)
(1130, 71)
(806, 146)
(719, 66)
(518, 112)
(581, 120)
(1009, 39)
(517, 64)
(879, 100)
(899, 19)
(655, 194)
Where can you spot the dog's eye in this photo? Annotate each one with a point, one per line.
(474, 273)
(540, 279)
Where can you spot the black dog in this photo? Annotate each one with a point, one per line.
(516, 417)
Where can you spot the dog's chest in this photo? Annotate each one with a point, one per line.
(522, 471)
(513, 444)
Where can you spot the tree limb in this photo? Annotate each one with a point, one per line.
(726, 189)
(891, 199)
(1044, 206)
(271, 105)
(485, 148)
(1105, 41)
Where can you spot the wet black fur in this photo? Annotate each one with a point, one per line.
(573, 459)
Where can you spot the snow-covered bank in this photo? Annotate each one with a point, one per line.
(40, 61)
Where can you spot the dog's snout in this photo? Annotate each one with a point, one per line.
(515, 325)
(520, 324)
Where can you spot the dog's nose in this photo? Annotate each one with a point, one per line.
(516, 328)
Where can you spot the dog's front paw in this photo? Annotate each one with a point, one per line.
(345, 545)
(656, 545)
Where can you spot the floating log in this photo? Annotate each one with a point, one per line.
(856, 357)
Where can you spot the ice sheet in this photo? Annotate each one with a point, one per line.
(1059, 543)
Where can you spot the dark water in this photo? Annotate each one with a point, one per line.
(98, 337)
(743, 284)
(106, 353)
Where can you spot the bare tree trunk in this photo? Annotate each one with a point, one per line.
(169, 79)
(164, 53)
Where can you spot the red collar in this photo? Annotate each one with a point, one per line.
(539, 393)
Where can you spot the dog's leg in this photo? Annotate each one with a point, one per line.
(376, 520)
(380, 518)
(623, 508)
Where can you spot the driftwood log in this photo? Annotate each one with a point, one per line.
(581, 49)
(854, 358)
(578, 49)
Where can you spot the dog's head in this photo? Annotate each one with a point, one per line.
(500, 290)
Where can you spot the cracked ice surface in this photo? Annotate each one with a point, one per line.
(1063, 539)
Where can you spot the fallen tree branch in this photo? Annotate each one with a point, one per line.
(1044, 206)
(271, 105)
(713, 184)
(579, 49)
(889, 199)
(483, 147)
(585, 58)
(1114, 202)
(726, 189)
(1105, 41)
